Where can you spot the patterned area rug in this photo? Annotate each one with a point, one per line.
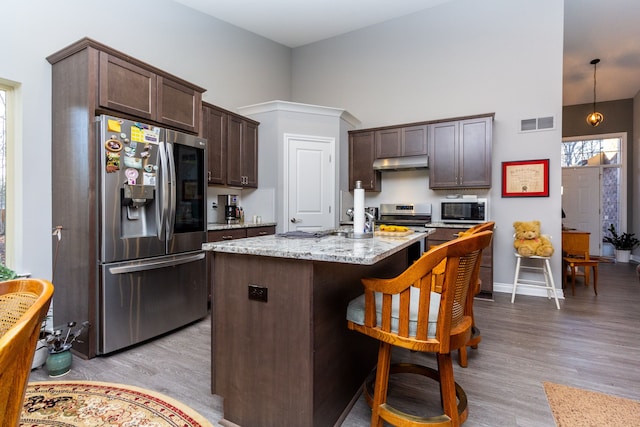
(95, 404)
(575, 407)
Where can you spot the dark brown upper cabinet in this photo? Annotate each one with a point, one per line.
(460, 153)
(214, 129)
(242, 152)
(401, 142)
(232, 144)
(362, 153)
(127, 88)
(178, 105)
(135, 90)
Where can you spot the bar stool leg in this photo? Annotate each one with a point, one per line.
(447, 388)
(551, 282)
(381, 384)
(515, 280)
(545, 273)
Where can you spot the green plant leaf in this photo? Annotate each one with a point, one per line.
(624, 241)
(6, 273)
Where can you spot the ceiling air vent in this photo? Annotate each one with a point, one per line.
(539, 124)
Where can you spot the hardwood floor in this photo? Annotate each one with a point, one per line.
(592, 342)
(177, 365)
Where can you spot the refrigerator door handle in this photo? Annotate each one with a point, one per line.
(152, 265)
(172, 191)
(164, 183)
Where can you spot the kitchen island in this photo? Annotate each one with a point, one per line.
(281, 351)
(236, 226)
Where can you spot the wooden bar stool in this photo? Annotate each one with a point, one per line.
(405, 312)
(23, 306)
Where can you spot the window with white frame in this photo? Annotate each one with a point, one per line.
(4, 92)
(606, 154)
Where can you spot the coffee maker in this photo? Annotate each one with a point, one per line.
(230, 214)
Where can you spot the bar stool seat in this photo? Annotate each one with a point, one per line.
(545, 270)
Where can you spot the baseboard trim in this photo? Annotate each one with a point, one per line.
(507, 288)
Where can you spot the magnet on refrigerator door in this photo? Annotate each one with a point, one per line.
(133, 162)
(112, 162)
(113, 145)
(113, 125)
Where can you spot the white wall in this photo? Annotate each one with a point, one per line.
(461, 58)
(237, 68)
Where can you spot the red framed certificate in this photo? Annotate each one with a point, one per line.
(525, 178)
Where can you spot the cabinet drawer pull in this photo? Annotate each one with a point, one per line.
(227, 237)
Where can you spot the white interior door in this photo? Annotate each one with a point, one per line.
(310, 186)
(581, 203)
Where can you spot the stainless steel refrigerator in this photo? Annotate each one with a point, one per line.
(152, 219)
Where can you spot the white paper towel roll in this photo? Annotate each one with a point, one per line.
(358, 208)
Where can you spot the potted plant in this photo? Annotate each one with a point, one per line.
(59, 343)
(623, 243)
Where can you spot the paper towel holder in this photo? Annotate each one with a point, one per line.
(365, 229)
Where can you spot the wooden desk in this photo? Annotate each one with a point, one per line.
(576, 240)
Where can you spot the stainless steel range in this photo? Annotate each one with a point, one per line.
(412, 215)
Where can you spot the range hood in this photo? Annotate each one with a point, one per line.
(399, 163)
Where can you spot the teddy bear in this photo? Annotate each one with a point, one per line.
(528, 240)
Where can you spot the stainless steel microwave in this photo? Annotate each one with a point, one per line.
(464, 211)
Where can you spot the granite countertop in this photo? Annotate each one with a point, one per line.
(427, 225)
(216, 227)
(328, 248)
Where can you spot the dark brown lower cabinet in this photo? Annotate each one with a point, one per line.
(444, 234)
(231, 234)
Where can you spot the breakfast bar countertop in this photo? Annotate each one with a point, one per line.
(330, 248)
(449, 225)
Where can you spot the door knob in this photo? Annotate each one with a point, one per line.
(293, 220)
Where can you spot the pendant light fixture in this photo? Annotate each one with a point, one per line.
(595, 118)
